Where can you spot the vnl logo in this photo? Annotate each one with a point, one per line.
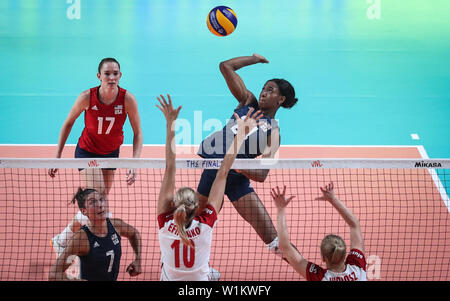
(316, 163)
(73, 11)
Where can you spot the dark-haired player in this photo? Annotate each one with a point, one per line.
(98, 245)
(106, 108)
(262, 141)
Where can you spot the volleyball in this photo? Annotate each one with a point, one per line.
(221, 21)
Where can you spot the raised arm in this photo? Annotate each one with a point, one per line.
(356, 237)
(292, 255)
(218, 186)
(168, 184)
(234, 81)
(134, 237)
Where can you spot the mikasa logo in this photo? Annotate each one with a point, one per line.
(427, 164)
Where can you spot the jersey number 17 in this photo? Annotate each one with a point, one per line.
(100, 124)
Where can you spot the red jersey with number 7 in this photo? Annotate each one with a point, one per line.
(103, 124)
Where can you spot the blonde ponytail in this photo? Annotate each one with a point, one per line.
(179, 216)
(333, 249)
(186, 203)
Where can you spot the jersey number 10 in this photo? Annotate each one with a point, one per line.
(188, 254)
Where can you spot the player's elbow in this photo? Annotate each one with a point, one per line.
(224, 67)
(68, 124)
(261, 176)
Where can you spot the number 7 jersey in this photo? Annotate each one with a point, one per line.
(103, 124)
(180, 262)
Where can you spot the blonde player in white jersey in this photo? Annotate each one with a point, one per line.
(333, 248)
(185, 235)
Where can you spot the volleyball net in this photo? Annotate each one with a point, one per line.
(402, 205)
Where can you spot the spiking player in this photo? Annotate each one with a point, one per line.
(185, 234)
(262, 141)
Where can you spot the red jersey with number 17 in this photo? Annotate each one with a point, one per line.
(103, 124)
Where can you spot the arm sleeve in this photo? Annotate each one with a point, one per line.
(356, 258)
(314, 272)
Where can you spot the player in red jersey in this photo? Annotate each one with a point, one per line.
(106, 108)
(332, 249)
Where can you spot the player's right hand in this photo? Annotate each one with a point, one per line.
(169, 112)
(280, 197)
(52, 172)
(327, 193)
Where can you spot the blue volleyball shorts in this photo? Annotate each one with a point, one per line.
(236, 187)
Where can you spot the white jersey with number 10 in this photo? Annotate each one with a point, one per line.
(180, 262)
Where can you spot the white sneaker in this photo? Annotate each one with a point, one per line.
(214, 275)
(273, 248)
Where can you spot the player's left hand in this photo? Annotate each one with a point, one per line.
(131, 176)
(279, 198)
(134, 268)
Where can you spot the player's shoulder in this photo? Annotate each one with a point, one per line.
(129, 98)
(356, 258)
(208, 216)
(116, 221)
(85, 93)
(84, 97)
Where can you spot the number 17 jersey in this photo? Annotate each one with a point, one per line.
(103, 124)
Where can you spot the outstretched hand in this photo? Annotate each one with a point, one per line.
(328, 193)
(249, 122)
(279, 198)
(169, 112)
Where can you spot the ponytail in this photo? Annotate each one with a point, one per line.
(333, 249)
(186, 203)
(179, 216)
(338, 254)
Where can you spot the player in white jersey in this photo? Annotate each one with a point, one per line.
(185, 235)
(333, 248)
